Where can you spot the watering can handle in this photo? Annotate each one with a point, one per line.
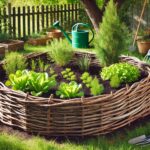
(76, 26)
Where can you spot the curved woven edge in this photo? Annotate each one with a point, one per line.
(76, 117)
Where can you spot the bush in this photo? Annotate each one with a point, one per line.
(13, 62)
(61, 52)
(125, 72)
(111, 38)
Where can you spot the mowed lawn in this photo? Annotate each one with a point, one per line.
(114, 141)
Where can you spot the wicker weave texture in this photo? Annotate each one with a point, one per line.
(77, 117)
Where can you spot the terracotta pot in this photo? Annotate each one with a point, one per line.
(13, 45)
(143, 46)
(38, 41)
(55, 33)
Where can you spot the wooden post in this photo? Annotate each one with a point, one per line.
(29, 24)
(9, 19)
(33, 19)
(19, 24)
(24, 22)
(14, 22)
(38, 19)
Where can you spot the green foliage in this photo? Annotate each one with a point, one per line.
(86, 79)
(30, 81)
(40, 83)
(115, 81)
(13, 62)
(84, 63)
(96, 88)
(125, 72)
(52, 73)
(68, 74)
(69, 90)
(93, 84)
(61, 52)
(111, 39)
(18, 81)
(4, 37)
(39, 65)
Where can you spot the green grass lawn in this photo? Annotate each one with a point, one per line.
(115, 141)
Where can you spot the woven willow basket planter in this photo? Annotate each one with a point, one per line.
(77, 117)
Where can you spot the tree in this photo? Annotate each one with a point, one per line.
(94, 12)
(111, 38)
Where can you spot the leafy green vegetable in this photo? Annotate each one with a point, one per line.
(30, 81)
(96, 88)
(40, 83)
(115, 81)
(125, 72)
(18, 81)
(69, 90)
(68, 74)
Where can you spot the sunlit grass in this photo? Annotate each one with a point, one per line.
(115, 141)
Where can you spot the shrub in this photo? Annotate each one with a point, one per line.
(111, 38)
(4, 37)
(68, 74)
(115, 81)
(69, 90)
(84, 63)
(125, 72)
(61, 52)
(13, 62)
(96, 88)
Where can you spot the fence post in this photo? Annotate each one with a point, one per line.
(9, 19)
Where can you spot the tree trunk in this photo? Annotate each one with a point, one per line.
(94, 13)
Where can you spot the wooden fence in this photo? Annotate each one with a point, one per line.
(24, 21)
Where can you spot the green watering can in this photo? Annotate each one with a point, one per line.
(80, 38)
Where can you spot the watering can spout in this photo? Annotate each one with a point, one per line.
(57, 25)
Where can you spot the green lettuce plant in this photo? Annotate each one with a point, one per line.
(69, 90)
(125, 72)
(115, 81)
(30, 81)
(18, 81)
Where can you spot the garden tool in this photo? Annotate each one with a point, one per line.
(80, 38)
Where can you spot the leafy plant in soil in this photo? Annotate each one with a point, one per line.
(93, 84)
(125, 72)
(13, 62)
(69, 90)
(39, 65)
(40, 83)
(111, 39)
(84, 63)
(18, 81)
(30, 81)
(115, 81)
(96, 88)
(86, 79)
(61, 52)
(68, 74)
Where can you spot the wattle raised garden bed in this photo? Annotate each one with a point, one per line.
(80, 116)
